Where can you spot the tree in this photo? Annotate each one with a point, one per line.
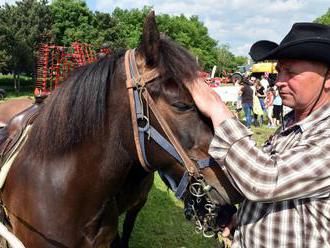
(325, 19)
(129, 26)
(22, 27)
(107, 31)
(189, 32)
(72, 21)
(4, 58)
(225, 59)
(192, 34)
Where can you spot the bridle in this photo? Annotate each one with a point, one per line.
(137, 91)
(136, 85)
(199, 189)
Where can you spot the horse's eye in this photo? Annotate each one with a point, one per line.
(183, 107)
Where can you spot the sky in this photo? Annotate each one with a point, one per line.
(238, 23)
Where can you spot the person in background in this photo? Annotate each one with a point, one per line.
(264, 82)
(286, 183)
(238, 105)
(247, 101)
(277, 108)
(260, 93)
(270, 94)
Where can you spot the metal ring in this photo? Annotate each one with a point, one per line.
(147, 125)
(196, 190)
(208, 234)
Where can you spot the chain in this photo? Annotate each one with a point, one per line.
(201, 210)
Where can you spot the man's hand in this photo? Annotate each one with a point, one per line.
(208, 101)
(230, 227)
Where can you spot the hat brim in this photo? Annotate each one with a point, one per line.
(309, 49)
(262, 49)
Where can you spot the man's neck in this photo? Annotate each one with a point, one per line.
(301, 114)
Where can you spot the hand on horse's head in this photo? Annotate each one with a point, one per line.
(208, 101)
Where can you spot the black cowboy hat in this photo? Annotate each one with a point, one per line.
(306, 41)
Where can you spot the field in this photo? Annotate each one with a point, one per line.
(161, 223)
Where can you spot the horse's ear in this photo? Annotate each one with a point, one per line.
(150, 40)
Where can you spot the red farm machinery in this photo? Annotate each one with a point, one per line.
(54, 63)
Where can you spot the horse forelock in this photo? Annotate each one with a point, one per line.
(76, 111)
(177, 62)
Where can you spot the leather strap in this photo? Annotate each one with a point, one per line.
(188, 163)
(135, 82)
(133, 111)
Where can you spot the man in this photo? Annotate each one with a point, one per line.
(247, 101)
(286, 183)
(264, 82)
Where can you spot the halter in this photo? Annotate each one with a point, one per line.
(141, 126)
(200, 198)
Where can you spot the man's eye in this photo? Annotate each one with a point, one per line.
(183, 107)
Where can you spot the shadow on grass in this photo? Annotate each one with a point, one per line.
(161, 223)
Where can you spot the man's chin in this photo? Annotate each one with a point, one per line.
(287, 103)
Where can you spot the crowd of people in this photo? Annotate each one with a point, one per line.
(260, 101)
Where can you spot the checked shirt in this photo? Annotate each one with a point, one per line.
(286, 183)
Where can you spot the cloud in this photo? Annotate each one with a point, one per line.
(2, 2)
(238, 23)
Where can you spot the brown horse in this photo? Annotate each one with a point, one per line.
(12, 107)
(79, 169)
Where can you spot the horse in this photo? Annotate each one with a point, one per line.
(10, 108)
(79, 168)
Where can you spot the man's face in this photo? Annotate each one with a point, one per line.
(299, 82)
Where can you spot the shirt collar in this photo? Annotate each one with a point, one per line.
(310, 121)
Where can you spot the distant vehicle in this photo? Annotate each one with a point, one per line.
(2, 94)
(267, 68)
(262, 67)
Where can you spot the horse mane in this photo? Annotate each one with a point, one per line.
(77, 111)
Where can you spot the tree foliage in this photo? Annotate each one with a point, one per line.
(192, 34)
(325, 19)
(72, 21)
(22, 26)
(27, 23)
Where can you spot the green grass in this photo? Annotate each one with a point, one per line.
(261, 134)
(161, 223)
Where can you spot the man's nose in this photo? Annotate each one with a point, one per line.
(280, 80)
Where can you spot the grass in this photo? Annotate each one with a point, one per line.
(161, 223)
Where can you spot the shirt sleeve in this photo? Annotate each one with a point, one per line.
(299, 172)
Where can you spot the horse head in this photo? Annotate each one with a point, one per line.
(161, 67)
